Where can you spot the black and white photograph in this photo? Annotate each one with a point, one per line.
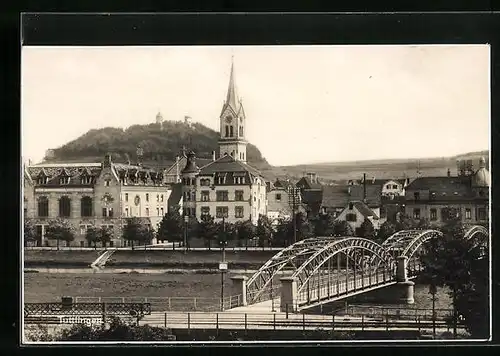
(264, 193)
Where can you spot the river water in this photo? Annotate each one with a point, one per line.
(422, 297)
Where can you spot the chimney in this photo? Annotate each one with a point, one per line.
(349, 190)
(364, 187)
(373, 180)
(312, 177)
(213, 155)
(449, 173)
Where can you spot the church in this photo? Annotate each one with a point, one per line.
(227, 187)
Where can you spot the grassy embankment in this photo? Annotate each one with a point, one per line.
(145, 259)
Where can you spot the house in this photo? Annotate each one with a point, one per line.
(467, 193)
(355, 214)
(390, 188)
(335, 198)
(311, 192)
(93, 194)
(226, 187)
(280, 197)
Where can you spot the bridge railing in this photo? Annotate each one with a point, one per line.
(161, 304)
(258, 296)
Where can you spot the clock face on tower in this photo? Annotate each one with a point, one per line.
(229, 119)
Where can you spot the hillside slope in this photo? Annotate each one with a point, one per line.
(381, 169)
(160, 146)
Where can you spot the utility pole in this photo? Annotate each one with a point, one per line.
(433, 291)
(186, 222)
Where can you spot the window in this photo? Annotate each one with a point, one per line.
(107, 212)
(231, 132)
(126, 212)
(193, 196)
(193, 181)
(481, 193)
(351, 217)
(161, 198)
(481, 214)
(157, 197)
(221, 180)
(205, 195)
(205, 182)
(278, 197)
(86, 206)
(147, 211)
(388, 186)
(433, 214)
(157, 211)
(394, 186)
(126, 197)
(241, 130)
(205, 210)
(64, 180)
(222, 211)
(161, 212)
(468, 214)
(238, 211)
(351, 205)
(147, 196)
(416, 195)
(65, 207)
(238, 195)
(416, 213)
(85, 179)
(107, 182)
(222, 195)
(43, 207)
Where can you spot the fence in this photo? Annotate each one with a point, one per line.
(274, 321)
(398, 313)
(89, 308)
(172, 303)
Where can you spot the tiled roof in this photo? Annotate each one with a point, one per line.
(364, 209)
(282, 184)
(443, 187)
(381, 182)
(56, 171)
(308, 183)
(175, 195)
(337, 196)
(228, 164)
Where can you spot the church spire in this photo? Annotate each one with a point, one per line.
(232, 96)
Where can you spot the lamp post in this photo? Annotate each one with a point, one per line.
(222, 265)
(186, 222)
(433, 291)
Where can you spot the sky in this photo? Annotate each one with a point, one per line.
(304, 104)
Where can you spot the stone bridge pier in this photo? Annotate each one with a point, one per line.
(404, 287)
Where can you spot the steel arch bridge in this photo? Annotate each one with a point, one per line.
(333, 268)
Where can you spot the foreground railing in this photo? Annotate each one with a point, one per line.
(398, 313)
(277, 321)
(161, 304)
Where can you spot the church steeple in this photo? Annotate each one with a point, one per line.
(232, 96)
(232, 123)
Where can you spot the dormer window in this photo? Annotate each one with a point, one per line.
(416, 195)
(64, 180)
(86, 180)
(351, 205)
(42, 180)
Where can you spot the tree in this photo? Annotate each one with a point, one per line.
(324, 225)
(387, 229)
(304, 227)
(423, 224)
(207, 229)
(116, 330)
(29, 231)
(136, 230)
(93, 235)
(461, 265)
(264, 229)
(171, 227)
(343, 228)
(404, 222)
(367, 230)
(284, 232)
(105, 235)
(245, 231)
(59, 229)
